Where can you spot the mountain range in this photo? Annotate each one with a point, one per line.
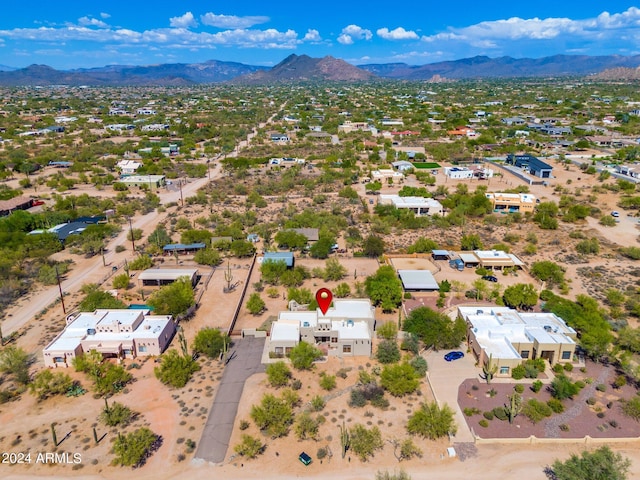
(302, 68)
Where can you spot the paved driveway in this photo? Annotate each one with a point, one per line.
(245, 357)
(445, 378)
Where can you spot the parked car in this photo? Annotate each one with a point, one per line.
(451, 356)
(490, 278)
(615, 214)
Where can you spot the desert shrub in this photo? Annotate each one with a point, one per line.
(278, 374)
(273, 416)
(317, 403)
(380, 402)
(580, 384)
(132, 449)
(555, 405)
(296, 384)
(117, 414)
(483, 423)
(249, 447)
(536, 386)
(175, 370)
(500, 413)
(536, 411)
(631, 408)
(600, 414)
(243, 425)
(488, 415)
(357, 399)
(328, 382)
(558, 368)
(364, 442)
(321, 453)
(469, 412)
(620, 381)
(519, 388)
(562, 387)
(568, 367)
(601, 387)
(591, 401)
(518, 373)
(419, 364)
(564, 427)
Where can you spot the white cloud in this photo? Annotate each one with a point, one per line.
(359, 33)
(231, 21)
(491, 33)
(92, 22)
(312, 36)
(185, 21)
(104, 15)
(345, 39)
(397, 34)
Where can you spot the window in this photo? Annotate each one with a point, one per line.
(279, 350)
(58, 359)
(142, 348)
(524, 354)
(346, 349)
(504, 370)
(334, 339)
(566, 355)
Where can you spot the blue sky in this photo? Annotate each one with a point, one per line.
(75, 34)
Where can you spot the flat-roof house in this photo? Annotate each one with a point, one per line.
(509, 337)
(385, 173)
(150, 181)
(128, 167)
(166, 276)
(346, 330)
(458, 172)
(419, 205)
(403, 166)
(118, 333)
(532, 164)
(497, 259)
(512, 202)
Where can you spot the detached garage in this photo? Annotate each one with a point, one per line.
(418, 281)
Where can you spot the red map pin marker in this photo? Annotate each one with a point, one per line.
(324, 298)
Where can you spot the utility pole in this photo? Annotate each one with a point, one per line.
(133, 243)
(181, 198)
(104, 262)
(64, 310)
(209, 168)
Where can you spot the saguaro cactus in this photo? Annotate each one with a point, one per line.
(489, 370)
(228, 276)
(54, 437)
(345, 439)
(95, 436)
(514, 407)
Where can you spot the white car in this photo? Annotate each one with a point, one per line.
(615, 214)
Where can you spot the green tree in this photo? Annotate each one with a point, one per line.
(333, 270)
(175, 370)
(600, 464)
(549, 272)
(210, 342)
(142, 262)
(301, 295)
(255, 304)
(291, 239)
(249, 447)
(471, 241)
(274, 415)
(242, 248)
(99, 299)
(278, 374)
(342, 290)
(384, 288)
(303, 355)
(386, 475)
(399, 379)
(388, 331)
(207, 256)
(423, 245)
(306, 427)
(132, 449)
(271, 271)
(521, 296)
(173, 299)
(435, 329)
(121, 281)
(47, 384)
(432, 422)
(16, 362)
(373, 246)
(364, 442)
(322, 248)
(388, 351)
